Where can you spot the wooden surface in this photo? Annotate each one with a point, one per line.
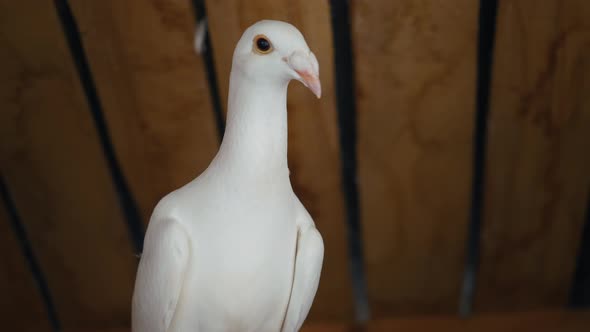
(538, 161)
(54, 168)
(415, 63)
(20, 302)
(555, 321)
(313, 137)
(153, 90)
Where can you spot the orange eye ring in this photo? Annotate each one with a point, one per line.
(262, 45)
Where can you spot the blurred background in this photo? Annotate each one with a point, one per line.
(447, 164)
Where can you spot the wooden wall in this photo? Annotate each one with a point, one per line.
(416, 97)
(539, 154)
(55, 170)
(415, 92)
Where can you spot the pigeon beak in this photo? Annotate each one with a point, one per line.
(312, 81)
(307, 69)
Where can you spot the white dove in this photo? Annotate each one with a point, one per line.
(234, 249)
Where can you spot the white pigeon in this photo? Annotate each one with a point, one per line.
(234, 249)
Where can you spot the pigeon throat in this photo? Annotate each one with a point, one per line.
(255, 139)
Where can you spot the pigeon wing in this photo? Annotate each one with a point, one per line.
(160, 276)
(308, 265)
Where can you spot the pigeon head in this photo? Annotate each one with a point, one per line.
(274, 52)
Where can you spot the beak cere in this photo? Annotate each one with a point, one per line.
(306, 66)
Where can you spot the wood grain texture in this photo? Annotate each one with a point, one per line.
(313, 136)
(21, 305)
(55, 170)
(415, 64)
(538, 159)
(153, 90)
(550, 321)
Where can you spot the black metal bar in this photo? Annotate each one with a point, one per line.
(345, 100)
(580, 292)
(485, 52)
(32, 263)
(200, 13)
(126, 201)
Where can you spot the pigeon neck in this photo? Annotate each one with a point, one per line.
(255, 139)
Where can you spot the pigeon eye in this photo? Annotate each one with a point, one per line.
(262, 45)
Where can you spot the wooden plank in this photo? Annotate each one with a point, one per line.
(56, 172)
(538, 161)
(415, 93)
(550, 321)
(153, 90)
(21, 305)
(313, 136)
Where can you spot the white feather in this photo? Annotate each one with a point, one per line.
(160, 276)
(200, 35)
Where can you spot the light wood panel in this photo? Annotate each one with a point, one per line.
(21, 305)
(415, 70)
(313, 136)
(153, 90)
(55, 170)
(538, 173)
